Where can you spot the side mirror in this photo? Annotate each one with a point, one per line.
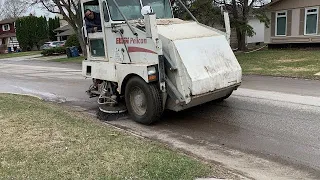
(146, 10)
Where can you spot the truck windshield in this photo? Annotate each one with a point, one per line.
(161, 7)
(131, 9)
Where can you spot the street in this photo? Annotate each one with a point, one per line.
(268, 129)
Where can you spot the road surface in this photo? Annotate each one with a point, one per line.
(268, 129)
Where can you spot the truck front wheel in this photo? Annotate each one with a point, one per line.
(143, 101)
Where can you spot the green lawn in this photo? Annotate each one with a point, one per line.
(41, 140)
(288, 63)
(19, 54)
(78, 59)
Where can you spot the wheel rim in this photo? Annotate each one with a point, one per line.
(138, 101)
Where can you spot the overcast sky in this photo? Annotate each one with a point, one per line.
(36, 10)
(40, 11)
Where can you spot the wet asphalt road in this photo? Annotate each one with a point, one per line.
(275, 118)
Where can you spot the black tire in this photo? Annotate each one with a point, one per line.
(149, 110)
(225, 97)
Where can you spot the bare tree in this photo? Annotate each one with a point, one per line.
(1, 12)
(71, 12)
(13, 8)
(240, 11)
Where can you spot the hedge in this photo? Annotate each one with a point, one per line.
(72, 41)
(54, 51)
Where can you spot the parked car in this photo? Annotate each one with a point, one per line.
(44, 46)
(52, 44)
(61, 43)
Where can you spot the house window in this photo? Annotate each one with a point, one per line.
(6, 27)
(311, 21)
(281, 23)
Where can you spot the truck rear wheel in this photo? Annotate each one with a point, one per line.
(143, 101)
(225, 97)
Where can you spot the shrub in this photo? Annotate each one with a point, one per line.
(41, 42)
(72, 41)
(53, 51)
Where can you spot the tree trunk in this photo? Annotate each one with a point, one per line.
(82, 43)
(241, 37)
(235, 10)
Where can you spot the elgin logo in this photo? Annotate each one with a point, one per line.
(131, 40)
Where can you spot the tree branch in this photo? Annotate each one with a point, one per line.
(48, 9)
(67, 18)
(252, 2)
(75, 6)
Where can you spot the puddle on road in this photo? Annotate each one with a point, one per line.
(43, 95)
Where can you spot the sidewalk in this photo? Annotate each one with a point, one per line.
(37, 57)
(21, 58)
(280, 84)
(48, 58)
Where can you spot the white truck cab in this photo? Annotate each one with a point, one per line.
(144, 60)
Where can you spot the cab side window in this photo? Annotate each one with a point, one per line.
(92, 16)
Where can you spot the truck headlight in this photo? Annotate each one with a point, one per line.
(152, 73)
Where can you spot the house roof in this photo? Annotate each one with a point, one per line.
(10, 20)
(273, 2)
(66, 33)
(7, 35)
(63, 28)
(292, 4)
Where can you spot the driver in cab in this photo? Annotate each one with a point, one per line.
(93, 21)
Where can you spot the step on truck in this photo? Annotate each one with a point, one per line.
(143, 60)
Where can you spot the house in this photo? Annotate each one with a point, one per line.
(8, 39)
(293, 23)
(258, 28)
(256, 39)
(64, 31)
